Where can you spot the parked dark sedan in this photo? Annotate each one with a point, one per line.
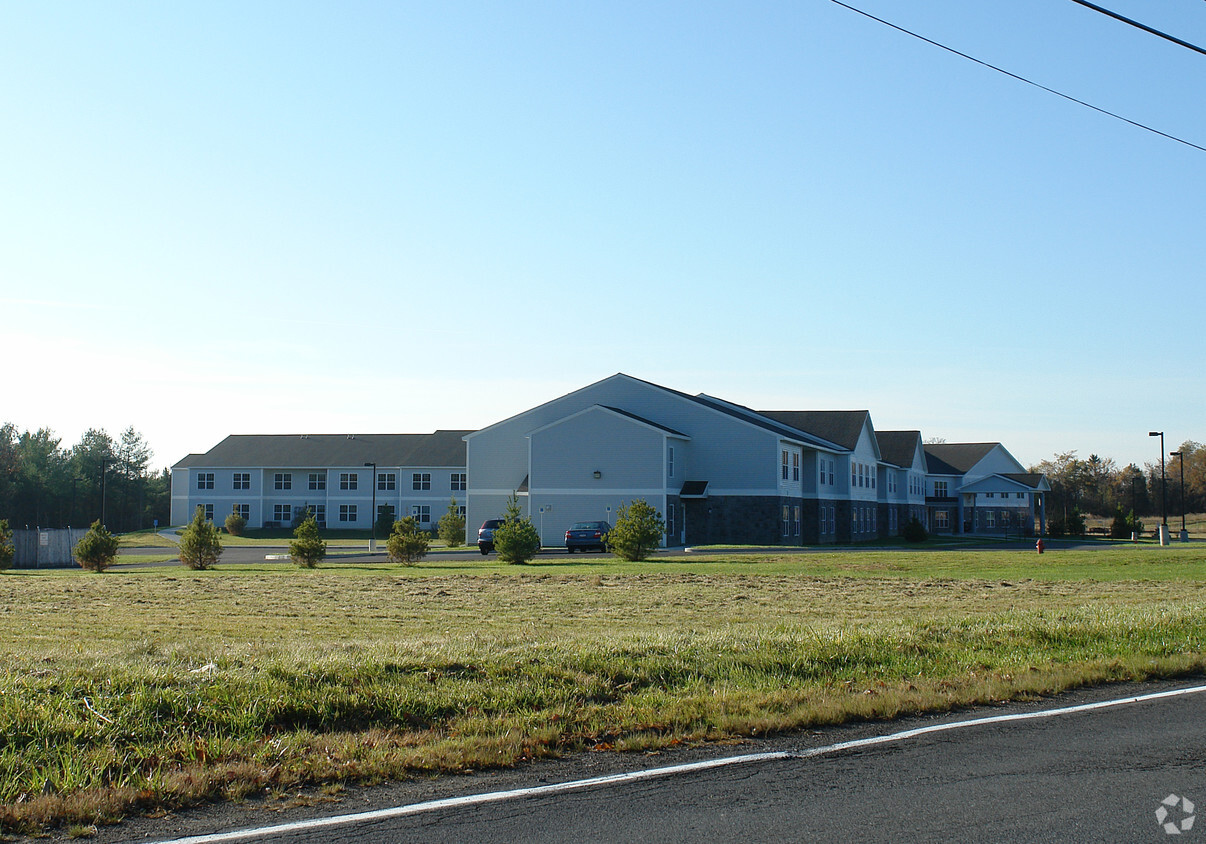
(584, 536)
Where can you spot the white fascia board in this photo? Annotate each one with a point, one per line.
(995, 483)
(543, 405)
(624, 417)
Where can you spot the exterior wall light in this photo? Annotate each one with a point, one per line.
(598, 474)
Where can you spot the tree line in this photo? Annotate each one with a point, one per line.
(1097, 486)
(43, 484)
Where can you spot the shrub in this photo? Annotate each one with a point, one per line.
(516, 539)
(95, 552)
(408, 542)
(200, 546)
(914, 531)
(307, 548)
(235, 524)
(638, 530)
(385, 522)
(452, 526)
(7, 551)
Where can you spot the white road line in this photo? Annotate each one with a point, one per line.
(671, 770)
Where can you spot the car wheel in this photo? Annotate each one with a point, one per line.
(483, 549)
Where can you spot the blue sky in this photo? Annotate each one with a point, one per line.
(388, 217)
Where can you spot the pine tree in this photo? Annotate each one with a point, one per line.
(307, 548)
(638, 530)
(200, 546)
(407, 544)
(452, 526)
(95, 552)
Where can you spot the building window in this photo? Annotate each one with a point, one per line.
(941, 519)
(990, 518)
(384, 510)
(387, 481)
(670, 461)
(831, 476)
(420, 480)
(242, 510)
(785, 468)
(795, 520)
(1021, 495)
(209, 512)
(319, 512)
(283, 480)
(990, 495)
(205, 480)
(348, 480)
(242, 480)
(282, 513)
(670, 508)
(853, 475)
(347, 512)
(786, 514)
(318, 480)
(940, 491)
(421, 513)
(795, 466)
(459, 481)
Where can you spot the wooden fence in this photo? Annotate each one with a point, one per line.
(46, 549)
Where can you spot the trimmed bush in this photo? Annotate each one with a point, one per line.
(914, 531)
(235, 524)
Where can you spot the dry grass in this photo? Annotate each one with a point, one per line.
(152, 688)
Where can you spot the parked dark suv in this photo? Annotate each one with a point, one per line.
(584, 536)
(485, 535)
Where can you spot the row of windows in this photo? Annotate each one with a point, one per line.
(285, 513)
(386, 481)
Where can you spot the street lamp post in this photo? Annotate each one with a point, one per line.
(1134, 509)
(373, 512)
(1163, 490)
(104, 466)
(1181, 465)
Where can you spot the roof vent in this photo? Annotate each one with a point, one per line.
(351, 436)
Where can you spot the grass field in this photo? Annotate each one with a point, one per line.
(143, 689)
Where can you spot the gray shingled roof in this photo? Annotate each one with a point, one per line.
(898, 447)
(283, 451)
(842, 427)
(955, 458)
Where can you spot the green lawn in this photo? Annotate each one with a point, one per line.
(158, 687)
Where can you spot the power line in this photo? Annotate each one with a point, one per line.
(1021, 78)
(1142, 26)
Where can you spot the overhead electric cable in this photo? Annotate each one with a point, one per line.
(1174, 39)
(1020, 78)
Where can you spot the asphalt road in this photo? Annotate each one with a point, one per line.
(1096, 775)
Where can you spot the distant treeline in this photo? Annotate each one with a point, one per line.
(1097, 486)
(43, 484)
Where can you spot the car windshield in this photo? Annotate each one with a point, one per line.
(586, 526)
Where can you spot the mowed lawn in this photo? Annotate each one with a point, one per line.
(155, 687)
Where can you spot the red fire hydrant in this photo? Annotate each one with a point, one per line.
(1039, 546)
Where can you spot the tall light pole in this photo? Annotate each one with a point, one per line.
(104, 465)
(1134, 509)
(1181, 464)
(373, 512)
(1163, 490)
